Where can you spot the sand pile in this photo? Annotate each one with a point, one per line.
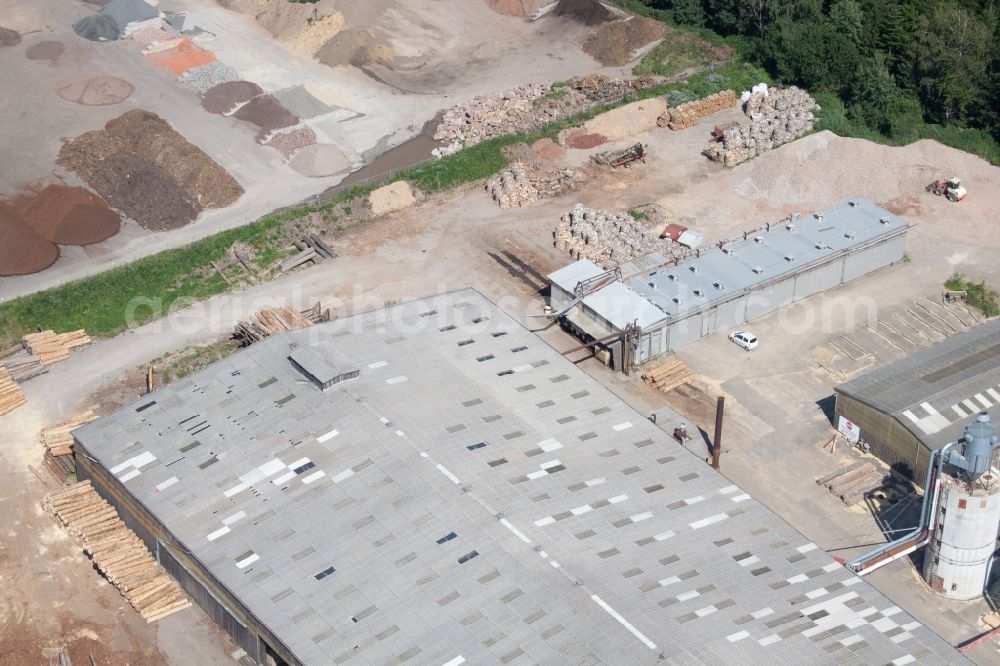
(320, 160)
(22, 251)
(141, 166)
(9, 37)
(616, 42)
(587, 12)
(392, 197)
(68, 215)
(521, 8)
(627, 121)
(267, 113)
(225, 97)
(548, 150)
(360, 48)
(316, 33)
(98, 28)
(47, 51)
(97, 91)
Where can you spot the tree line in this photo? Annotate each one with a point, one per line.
(895, 64)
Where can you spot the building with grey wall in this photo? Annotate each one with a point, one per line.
(433, 484)
(676, 303)
(918, 404)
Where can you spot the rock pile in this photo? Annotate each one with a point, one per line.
(512, 188)
(689, 113)
(776, 117)
(526, 108)
(206, 77)
(554, 183)
(607, 239)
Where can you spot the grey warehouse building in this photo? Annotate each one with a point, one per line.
(433, 484)
(676, 303)
(918, 404)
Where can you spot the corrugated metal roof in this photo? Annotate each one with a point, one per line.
(621, 306)
(569, 276)
(935, 391)
(474, 496)
(765, 255)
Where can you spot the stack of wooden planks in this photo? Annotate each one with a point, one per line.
(668, 376)
(265, 323)
(118, 553)
(58, 443)
(311, 248)
(11, 396)
(51, 347)
(852, 484)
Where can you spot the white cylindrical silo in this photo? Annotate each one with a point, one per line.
(959, 557)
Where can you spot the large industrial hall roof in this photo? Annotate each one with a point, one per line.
(657, 290)
(936, 391)
(472, 496)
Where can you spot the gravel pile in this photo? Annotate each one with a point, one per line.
(268, 114)
(208, 76)
(9, 37)
(98, 28)
(616, 43)
(47, 51)
(607, 239)
(225, 97)
(526, 108)
(292, 140)
(776, 117)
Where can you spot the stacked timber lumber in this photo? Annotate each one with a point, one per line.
(11, 396)
(852, 484)
(58, 443)
(118, 553)
(22, 364)
(668, 376)
(689, 113)
(51, 347)
(311, 248)
(267, 322)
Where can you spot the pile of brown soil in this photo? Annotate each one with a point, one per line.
(360, 48)
(68, 215)
(613, 43)
(225, 97)
(9, 37)
(22, 251)
(267, 113)
(583, 141)
(97, 91)
(548, 150)
(141, 166)
(47, 51)
(587, 12)
(520, 8)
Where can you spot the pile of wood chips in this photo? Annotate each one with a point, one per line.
(11, 396)
(118, 553)
(265, 323)
(852, 484)
(668, 376)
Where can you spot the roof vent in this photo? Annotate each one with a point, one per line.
(849, 235)
(818, 216)
(884, 220)
(673, 278)
(758, 239)
(322, 366)
(789, 257)
(758, 270)
(700, 293)
(727, 250)
(853, 204)
(790, 226)
(678, 300)
(695, 270)
(719, 286)
(653, 286)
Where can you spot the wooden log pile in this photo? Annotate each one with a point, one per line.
(311, 248)
(852, 484)
(118, 553)
(11, 396)
(22, 364)
(267, 322)
(668, 376)
(58, 443)
(690, 113)
(51, 347)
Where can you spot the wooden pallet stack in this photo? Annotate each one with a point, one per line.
(265, 323)
(668, 376)
(118, 553)
(51, 347)
(58, 443)
(11, 396)
(852, 484)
